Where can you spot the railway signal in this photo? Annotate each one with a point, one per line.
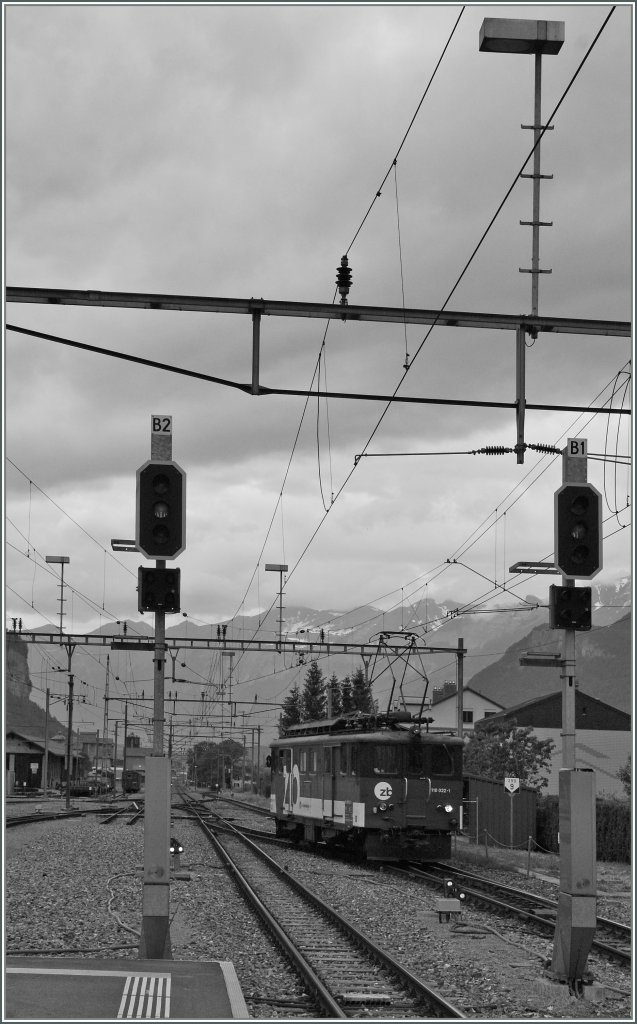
(160, 525)
(158, 590)
(578, 530)
(570, 607)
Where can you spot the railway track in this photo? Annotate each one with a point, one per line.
(612, 938)
(346, 972)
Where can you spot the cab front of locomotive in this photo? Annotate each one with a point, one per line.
(413, 795)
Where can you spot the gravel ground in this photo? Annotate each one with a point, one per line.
(75, 886)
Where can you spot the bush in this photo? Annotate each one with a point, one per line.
(613, 828)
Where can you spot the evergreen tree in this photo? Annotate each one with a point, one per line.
(361, 692)
(347, 704)
(625, 776)
(337, 704)
(314, 697)
(502, 750)
(291, 713)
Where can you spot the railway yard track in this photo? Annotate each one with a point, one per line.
(344, 969)
(488, 964)
(612, 937)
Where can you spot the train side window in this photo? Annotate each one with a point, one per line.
(303, 761)
(284, 760)
(353, 760)
(327, 760)
(344, 760)
(442, 761)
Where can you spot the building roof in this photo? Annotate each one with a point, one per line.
(546, 712)
(56, 747)
(465, 690)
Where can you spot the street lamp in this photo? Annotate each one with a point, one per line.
(521, 35)
(60, 560)
(280, 569)
(63, 560)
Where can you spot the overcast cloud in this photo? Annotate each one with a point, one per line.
(234, 151)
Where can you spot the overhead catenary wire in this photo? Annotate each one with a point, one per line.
(341, 488)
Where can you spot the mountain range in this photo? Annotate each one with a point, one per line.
(494, 640)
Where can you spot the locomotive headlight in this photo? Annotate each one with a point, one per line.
(448, 808)
(382, 807)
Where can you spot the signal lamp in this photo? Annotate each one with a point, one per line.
(160, 527)
(175, 846)
(570, 607)
(158, 589)
(578, 530)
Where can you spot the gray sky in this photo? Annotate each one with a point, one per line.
(234, 151)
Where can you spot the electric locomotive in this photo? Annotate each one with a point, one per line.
(377, 784)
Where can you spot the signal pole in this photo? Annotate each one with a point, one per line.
(577, 903)
(160, 531)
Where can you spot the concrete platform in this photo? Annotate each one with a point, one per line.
(61, 988)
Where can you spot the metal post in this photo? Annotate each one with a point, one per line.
(259, 755)
(45, 766)
(576, 919)
(256, 334)
(460, 686)
(69, 737)
(124, 753)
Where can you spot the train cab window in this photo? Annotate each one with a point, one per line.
(386, 759)
(417, 759)
(353, 760)
(344, 760)
(303, 761)
(442, 760)
(327, 760)
(284, 760)
(317, 761)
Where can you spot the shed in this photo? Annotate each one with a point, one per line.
(603, 740)
(24, 757)
(507, 818)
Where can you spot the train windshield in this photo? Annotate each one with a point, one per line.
(432, 759)
(386, 759)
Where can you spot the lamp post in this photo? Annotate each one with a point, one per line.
(280, 569)
(63, 560)
(521, 35)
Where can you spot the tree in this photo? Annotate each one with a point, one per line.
(347, 703)
(335, 691)
(500, 750)
(292, 709)
(625, 776)
(314, 697)
(362, 699)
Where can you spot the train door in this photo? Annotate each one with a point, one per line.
(284, 771)
(331, 769)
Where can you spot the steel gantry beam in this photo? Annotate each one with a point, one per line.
(143, 643)
(258, 308)
(320, 310)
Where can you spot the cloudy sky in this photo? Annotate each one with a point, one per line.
(234, 151)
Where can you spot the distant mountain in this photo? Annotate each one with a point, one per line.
(261, 677)
(22, 713)
(602, 667)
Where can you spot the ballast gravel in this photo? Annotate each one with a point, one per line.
(73, 888)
